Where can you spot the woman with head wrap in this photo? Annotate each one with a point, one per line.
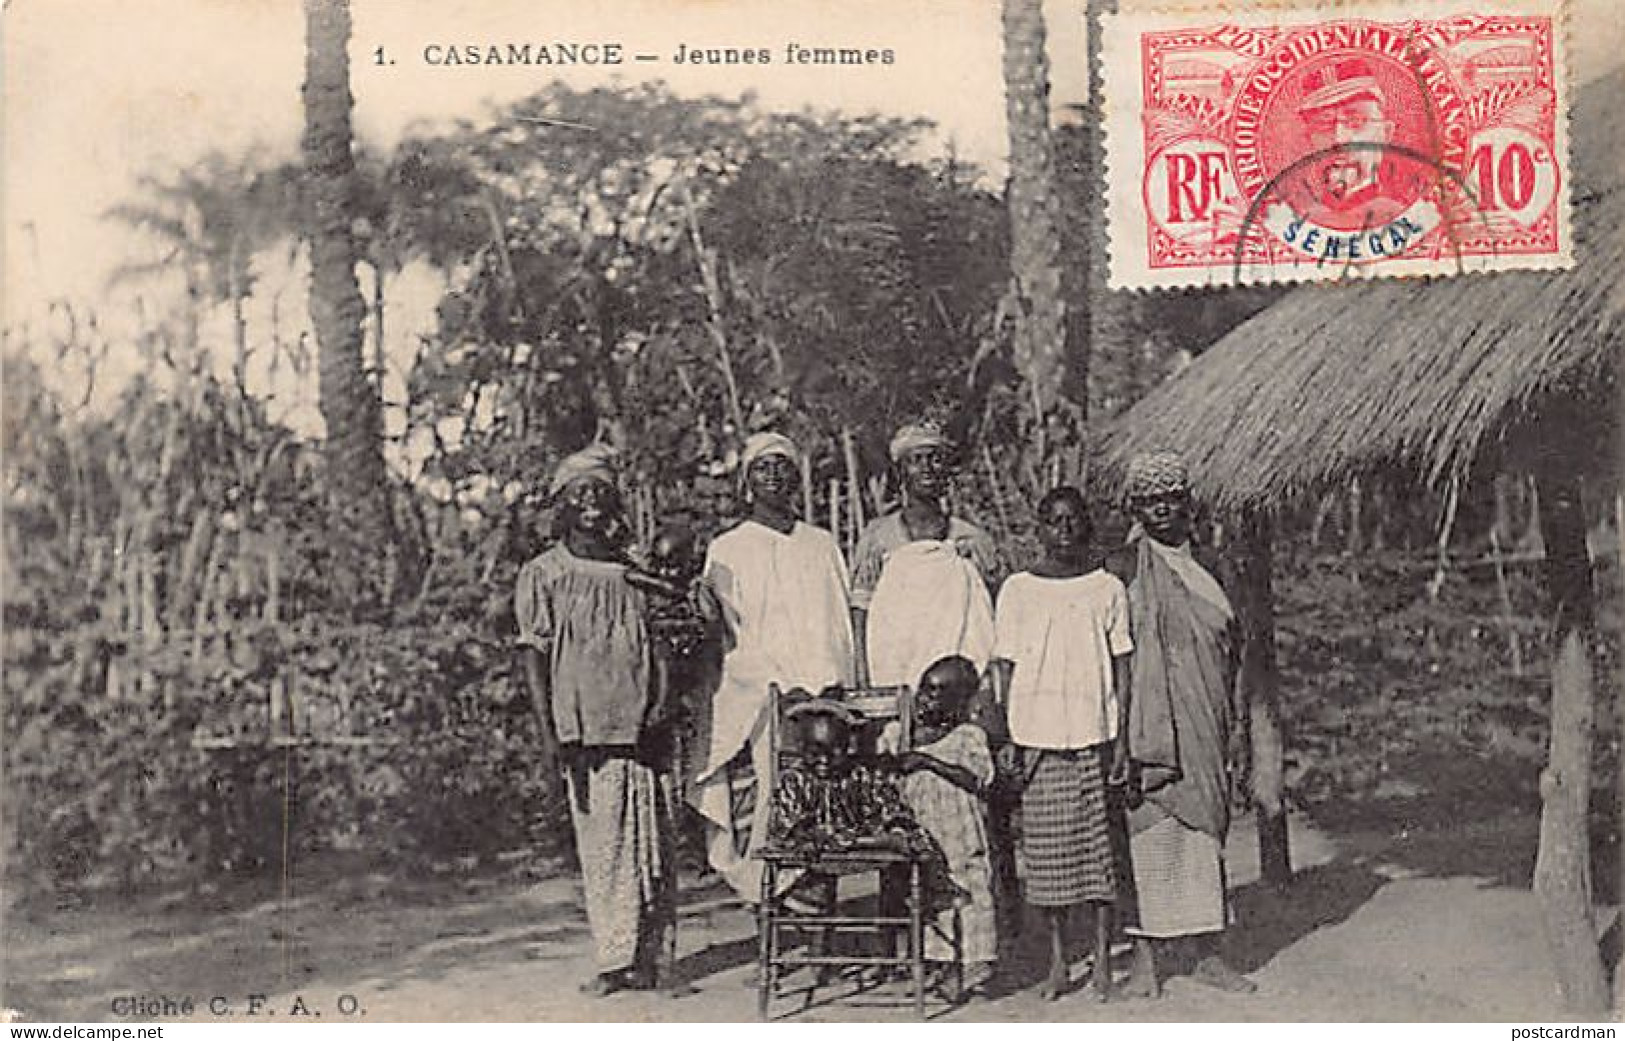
(920, 576)
(1180, 713)
(782, 587)
(588, 666)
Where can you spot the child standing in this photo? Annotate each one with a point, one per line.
(1060, 660)
(945, 781)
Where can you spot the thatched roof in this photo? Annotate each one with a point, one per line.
(1335, 379)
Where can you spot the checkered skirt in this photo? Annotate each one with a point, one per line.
(1066, 849)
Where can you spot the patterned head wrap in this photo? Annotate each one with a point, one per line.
(820, 706)
(767, 442)
(1156, 473)
(915, 436)
(596, 461)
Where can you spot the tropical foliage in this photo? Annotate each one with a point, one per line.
(666, 273)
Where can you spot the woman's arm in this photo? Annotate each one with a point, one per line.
(860, 645)
(999, 671)
(536, 684)
(1122, 678)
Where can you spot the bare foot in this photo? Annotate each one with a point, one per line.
(1213, 972)
(880, 975)
(661, 981)
(1141, 987)
(604, 984)
(1055, 984)
(979, 981)
(1142, 979)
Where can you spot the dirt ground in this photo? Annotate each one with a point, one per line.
(1376, 926)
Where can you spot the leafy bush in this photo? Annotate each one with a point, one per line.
(1402, 707)
(182, 699)
(416, 755)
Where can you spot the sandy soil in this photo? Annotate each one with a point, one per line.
(1370, 929)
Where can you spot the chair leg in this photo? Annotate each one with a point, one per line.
(959, 955)
(916, 936)
(766, 929)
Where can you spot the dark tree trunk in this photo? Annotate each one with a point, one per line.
(376, 370)
(1563, 864)
(1041, 341)
(1261, 684)
(359, 517)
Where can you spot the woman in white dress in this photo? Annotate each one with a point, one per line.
(783, 589)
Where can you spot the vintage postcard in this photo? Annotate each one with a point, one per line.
(692, 511)
(1301, 142)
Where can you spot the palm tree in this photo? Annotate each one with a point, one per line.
(1037, 296)
(359, 516)
(210, 220)
(424, 202)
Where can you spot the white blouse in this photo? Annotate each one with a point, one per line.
(1061, 635)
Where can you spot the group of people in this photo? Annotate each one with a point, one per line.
(1085, 709)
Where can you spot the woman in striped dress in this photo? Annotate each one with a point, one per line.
(1061, 648)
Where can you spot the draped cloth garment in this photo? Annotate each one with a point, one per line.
(883, 535)
(1180, 717)
(784, 602)
(957, 821)
(930, 602)
(622, 813)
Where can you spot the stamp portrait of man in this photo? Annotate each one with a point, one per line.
(1345, 112)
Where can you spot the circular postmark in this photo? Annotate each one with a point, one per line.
(1346, 157)
(1423, 212)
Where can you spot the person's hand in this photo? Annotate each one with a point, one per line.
(1237, 750)
(551, 768)
(1118, 770)
(657, 716)
(1133, 791)
(1007, 763)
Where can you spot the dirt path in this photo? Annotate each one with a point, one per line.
(1355, 937)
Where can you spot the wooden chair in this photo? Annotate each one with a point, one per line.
(874, 708)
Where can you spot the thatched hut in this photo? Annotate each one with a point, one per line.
(1336, 378)
(1438, 375)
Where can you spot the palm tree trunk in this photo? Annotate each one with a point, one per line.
(378, 362)
(1040, 347)
(358, 493)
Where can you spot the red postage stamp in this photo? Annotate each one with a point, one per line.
(1305, 143)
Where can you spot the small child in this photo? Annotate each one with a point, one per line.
(945, 781)
(1060, 660)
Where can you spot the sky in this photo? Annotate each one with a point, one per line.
(98, 91)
